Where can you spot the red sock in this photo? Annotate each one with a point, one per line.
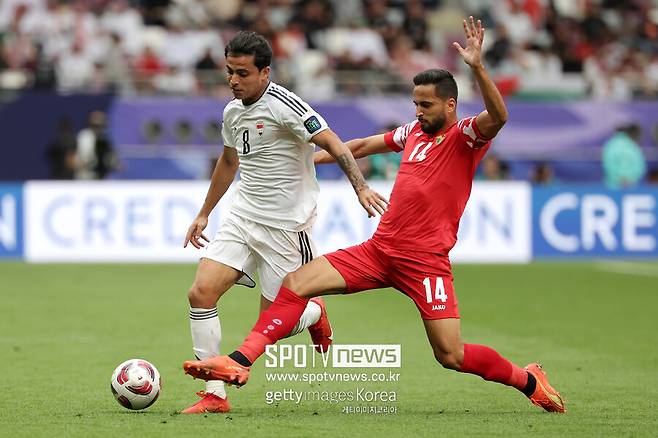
(488, 364)
(274, 323)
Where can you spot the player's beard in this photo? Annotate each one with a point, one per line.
(433, 128)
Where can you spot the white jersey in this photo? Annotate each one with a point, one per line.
(272, 136)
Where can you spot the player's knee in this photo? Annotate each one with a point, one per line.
(450, 359)
(292, 281)
(202, 296)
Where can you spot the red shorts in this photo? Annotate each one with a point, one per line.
(424, 277)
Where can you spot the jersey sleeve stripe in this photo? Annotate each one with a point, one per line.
(299, 102)
(390, 142)
(289, 105)
(477, 130)
(288, 99)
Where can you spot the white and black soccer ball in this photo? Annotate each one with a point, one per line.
(136, 384)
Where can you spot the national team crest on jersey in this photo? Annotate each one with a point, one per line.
(440, 138)
(260, 126)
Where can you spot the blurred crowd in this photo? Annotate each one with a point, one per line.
(605, 49)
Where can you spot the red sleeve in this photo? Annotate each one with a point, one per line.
(470, 133)
(388, 139)
(397, 138)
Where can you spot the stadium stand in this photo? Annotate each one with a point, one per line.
(599, 50)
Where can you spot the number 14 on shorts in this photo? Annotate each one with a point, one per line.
(439, 290)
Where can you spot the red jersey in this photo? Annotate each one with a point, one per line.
(432, 186)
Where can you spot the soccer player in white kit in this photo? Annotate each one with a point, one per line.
(269, 134)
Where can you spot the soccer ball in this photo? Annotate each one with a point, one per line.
(136, 384)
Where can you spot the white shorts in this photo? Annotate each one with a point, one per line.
(251, 247)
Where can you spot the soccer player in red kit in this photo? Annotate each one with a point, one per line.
(409, 250)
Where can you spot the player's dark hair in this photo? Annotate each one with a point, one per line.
(446, 86)
(250, 43)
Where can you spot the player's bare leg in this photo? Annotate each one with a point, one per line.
(316, 278)
(264, 304)
(212, 280)
(445, 338)
(449, 350)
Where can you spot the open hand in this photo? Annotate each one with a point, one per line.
(195, 232)
(474, 38)
(372, 201)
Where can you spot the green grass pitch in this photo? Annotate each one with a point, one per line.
(63, 329)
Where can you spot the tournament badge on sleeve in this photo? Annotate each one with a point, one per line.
(260, 126)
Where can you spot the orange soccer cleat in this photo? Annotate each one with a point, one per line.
(209, 403)
(544, 396)
(321, 333)
(218, 368)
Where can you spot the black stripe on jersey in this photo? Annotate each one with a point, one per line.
(284, 93)
(300, 114)
(302, 248)
(288, 102)
(308, 245)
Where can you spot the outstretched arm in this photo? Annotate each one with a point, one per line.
(492, 119)
(222, 177)
(360, 147)
(371, 201)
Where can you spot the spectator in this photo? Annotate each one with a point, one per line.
(518, 23)
(175, 81)
(364, 49)
(542, 174)
(313, 16)
(408, 61)
(623, 161)
(75, 70)
(652, 177)
(501, 48)
(415, 23)
(60, 153)
(208, 72)
(95, 157)
(180, 46)
(116, 70)
(44, 72)
(493, 169)
(147, 66)
(385, 166)
(120, 19)
(154, 11)
(3, 54)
